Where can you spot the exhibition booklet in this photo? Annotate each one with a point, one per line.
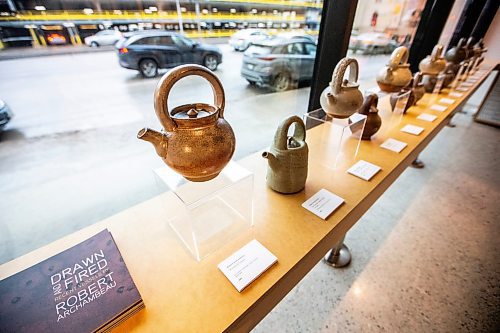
(86, 288)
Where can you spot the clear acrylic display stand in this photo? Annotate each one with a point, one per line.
(340, 138)
(209, 214)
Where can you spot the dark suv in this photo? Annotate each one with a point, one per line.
(279, 63)
(148, 51)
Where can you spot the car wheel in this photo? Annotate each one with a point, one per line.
(94, 44)
(252, 83)
(282, 82)
(148, 68)
(210, 62)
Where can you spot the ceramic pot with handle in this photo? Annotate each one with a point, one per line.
(288, 158)
(197, 142)
(395, 96)
(417, 86)
(396, 74)
(458, 53)
(434, 63)
(342, 97)
(373, 120)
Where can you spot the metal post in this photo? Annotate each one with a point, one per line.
(179, 16)
(339, 256)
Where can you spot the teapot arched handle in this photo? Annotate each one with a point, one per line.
(339, 72)
(436, 52)
(280, 138)
(170, 78)
(399, 57)
(417, 78)
(461, 43)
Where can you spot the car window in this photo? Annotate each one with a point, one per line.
(181, 41)
(310, 49)
(295, 48)
(165, 40)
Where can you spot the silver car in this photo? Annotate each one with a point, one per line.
(279, 63)
(104, 37)
(242, 39)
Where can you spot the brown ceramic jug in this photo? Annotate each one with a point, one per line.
(373, 120)
(396, 74)
(434, 63)
(417, 86)
(287, 158)
(395, 96)
(197, 141)
(458, 53)
(342, 97)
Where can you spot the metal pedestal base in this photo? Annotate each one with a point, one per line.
(338, 256)
(417, 164)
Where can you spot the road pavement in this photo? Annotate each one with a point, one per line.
(70, 156)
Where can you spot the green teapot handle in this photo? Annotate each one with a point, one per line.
(399, 57)
(280, 138)
(170, 78)
(338, 74)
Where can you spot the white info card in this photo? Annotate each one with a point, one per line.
(394, 145)
(323, 203)
(412, 129)
(247, 264)
(437, 107)
(364, 170)
(427, 117)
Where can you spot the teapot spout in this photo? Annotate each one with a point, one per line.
(157, 139)
(270, 157)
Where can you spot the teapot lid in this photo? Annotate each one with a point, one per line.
(191, 113)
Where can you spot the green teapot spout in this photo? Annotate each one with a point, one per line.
(270, 158)
(157, 139)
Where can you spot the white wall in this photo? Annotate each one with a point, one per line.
(492, 39)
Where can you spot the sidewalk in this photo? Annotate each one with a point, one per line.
(31, 52)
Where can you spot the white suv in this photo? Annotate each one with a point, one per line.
(104, 37)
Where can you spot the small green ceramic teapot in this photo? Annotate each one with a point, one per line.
(287, 158)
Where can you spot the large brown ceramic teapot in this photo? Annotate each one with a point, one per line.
(197, 141)
(458, 53)
(433, 63)
(396, 74)
(342, 97)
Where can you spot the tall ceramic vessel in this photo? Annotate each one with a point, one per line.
(342, 97)
(373, 120)
(396, 74)
(197, 141)
(287, 158)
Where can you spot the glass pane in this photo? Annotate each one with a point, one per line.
(70, 156)
(380, 27)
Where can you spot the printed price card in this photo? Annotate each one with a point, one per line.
(364, 170)
(394, 145)
(412, 129)
(427, 117)
(323, 203)
(247, 264)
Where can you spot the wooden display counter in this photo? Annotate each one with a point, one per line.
(183, 295)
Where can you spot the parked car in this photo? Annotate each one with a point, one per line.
(148, 51)
(5, 114)
(296, 35)
(104, 37)
(372, 43)
(279, 63)
(242, 39)
(56, 39)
